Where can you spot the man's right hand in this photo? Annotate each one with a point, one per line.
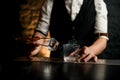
(35, 43)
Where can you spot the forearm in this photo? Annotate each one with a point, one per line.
(98, 46)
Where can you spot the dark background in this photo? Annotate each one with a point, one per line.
(11, 28)
(113, 48)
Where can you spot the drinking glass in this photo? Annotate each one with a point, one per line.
(67, 50)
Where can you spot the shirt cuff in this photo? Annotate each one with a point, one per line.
(102, 35)
(105, 37)
(38, 34)
(45, 34)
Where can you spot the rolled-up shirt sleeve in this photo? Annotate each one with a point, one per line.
(44, 20)
(101, 25)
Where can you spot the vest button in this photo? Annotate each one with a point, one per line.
(73, 28)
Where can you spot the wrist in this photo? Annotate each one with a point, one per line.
(39, 35)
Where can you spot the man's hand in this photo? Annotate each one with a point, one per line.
(84, 54)
(35, 43)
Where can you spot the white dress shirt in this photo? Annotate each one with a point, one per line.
(73, 8)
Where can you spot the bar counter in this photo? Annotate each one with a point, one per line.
(35, 68)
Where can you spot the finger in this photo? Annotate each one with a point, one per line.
(86, 59)
(84, 49)
(38, 42)
(81, 57)
(35, 38)
(74, 53)
(34, 51)
(95, 58)
(89, 57)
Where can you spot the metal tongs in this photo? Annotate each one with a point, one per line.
(51, 44)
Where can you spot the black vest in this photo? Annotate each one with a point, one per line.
(61, 25)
